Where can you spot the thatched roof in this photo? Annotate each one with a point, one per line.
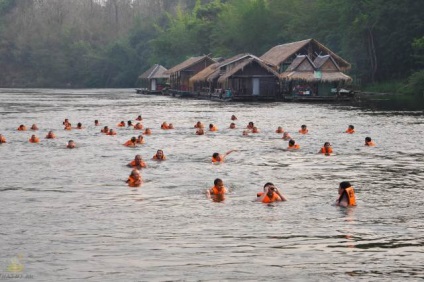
(242, 65)
(156, 71)
(301, 63)
(187, 63)
(326, 63)
(204, 74)
(313, 77)
(281, 53)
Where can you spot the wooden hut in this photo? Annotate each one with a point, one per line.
(283, 55)
(250, 79)
(303, 79)
(180, 74)
(153, 80)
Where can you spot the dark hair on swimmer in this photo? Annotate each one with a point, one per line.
(368, 139)
(327, 143)
(268, 183)
(351, 126)
(211, 125)
(216, 181)
(214, 155)
(345, 184)
(303, 126)
(291, 142)
(133, 139)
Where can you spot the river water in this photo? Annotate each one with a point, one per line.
(68, 214)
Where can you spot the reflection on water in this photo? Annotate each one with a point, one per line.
(70, 214)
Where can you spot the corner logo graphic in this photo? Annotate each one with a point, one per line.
(15, 265)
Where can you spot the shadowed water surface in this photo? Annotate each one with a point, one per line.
(68, 215)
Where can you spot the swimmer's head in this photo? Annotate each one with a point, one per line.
(351, 127)
(291, 142)
(133, 139)
(216, 156)
(367, 139)
(218, 183)
(303, 126)
(327, 144)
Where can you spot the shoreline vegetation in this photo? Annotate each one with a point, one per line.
(108, 44)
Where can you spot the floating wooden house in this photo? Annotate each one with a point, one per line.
(180, 74)
(154, 80)
(308, 69)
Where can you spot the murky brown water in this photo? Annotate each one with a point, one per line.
(68, 215)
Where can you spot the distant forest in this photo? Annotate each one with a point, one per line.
(109, 43)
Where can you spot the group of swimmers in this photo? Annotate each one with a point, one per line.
(270, 193)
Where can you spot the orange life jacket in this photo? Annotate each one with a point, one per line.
(326, 151)
(350, 194)
(36, 140)
(142, 164)
(129, 143)
(350, 131)
(121, 124)
(274, 198)
(213, 128)
(371, 144)
(2, 139)
(214, 190)
(155, 157)
(303, 131)
(133, 182)
(294, 147)
(217, 161)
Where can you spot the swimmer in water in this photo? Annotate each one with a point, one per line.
(293, 145)
(286, 136)
(217, 192)
(140, 139)
(34, 127)
(121, 124)
(79, 126)
(346, 195)
(200, 131)
(50, 135)
(139, 118)
(170, 126)
(96, 123)
(111, 132)
(22, 128)
(148, 131)
(303, 129)
(65, 122)
(138, 126)
(199, 125)
(255, 129)
(71, 144)
(233, 117)
(132, 142)
(105, 130)
(369, 142)
(2, 139)
(212, 127)
(279, 130)
(164, 125)
(159, 156)
(326, 149)
(137, 162)
(350, 129)
(245, 133)
(270, 194)
(68, 126)
(34, 139)
(232, 125)
(217, 158)
(250, 125)
(129, 124)
(134, 180)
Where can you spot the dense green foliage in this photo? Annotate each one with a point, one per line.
(93, 43)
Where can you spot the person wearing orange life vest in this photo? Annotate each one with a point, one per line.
(132, 142)
(217, 158)
(271, 194)
(218, 191)
(105, 130)
(134, 179)
(140, 139)
(148, 131)
(293, 145)
(213, 127)
(22, 128)
(71, 144)
(2, 139)
(137, 162)
(50, 135)
(286, 136)
(303, 129)
(121, 124)
(34, 139)
(346, 195)
(369, 142)
(111, 132)
(159, 156)
(326, 149)
(279, 130)
(164, 125)
(350, 129)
